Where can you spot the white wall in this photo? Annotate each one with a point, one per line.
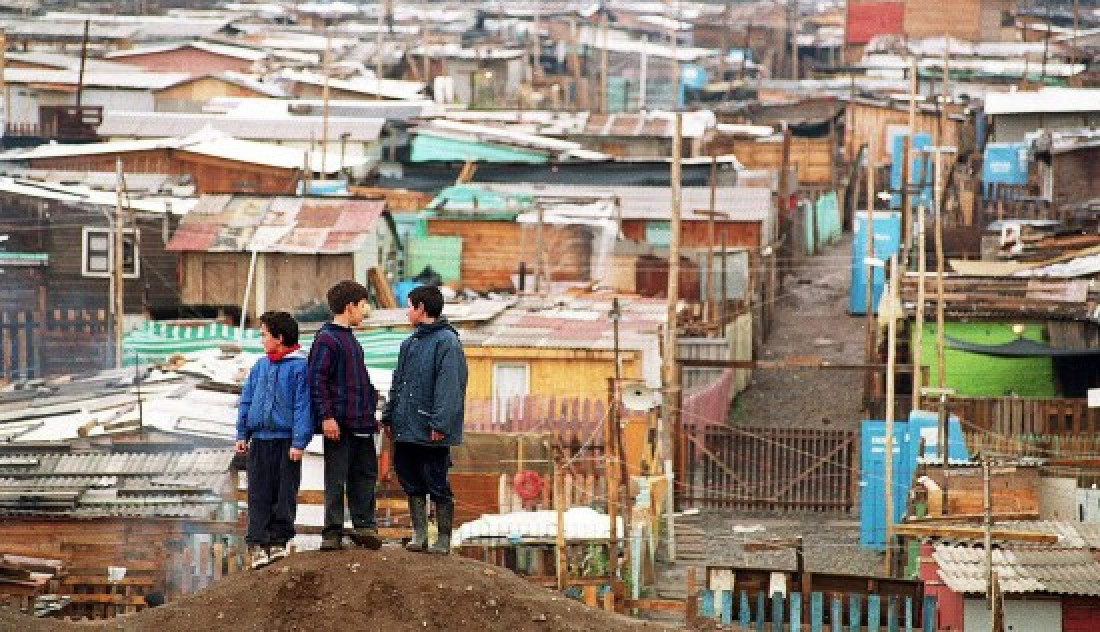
(1020, 615)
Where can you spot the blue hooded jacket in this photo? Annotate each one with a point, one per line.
(429, 387)
(275, 401)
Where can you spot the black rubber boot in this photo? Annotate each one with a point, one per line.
(444, 519)
(418, 511)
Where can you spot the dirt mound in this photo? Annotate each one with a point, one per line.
(357, 589)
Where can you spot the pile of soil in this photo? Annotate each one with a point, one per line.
(358, 589)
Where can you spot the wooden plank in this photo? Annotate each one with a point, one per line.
(382, 290)
(974, 533)
(655, 604)
(795, 619)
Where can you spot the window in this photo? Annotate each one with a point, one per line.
(510, 382)
(98, 253)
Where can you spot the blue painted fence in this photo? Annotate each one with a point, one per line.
(785, 612)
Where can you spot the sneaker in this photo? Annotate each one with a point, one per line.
(367, 537)
(259, 555)
(277, 552)
(332, 542)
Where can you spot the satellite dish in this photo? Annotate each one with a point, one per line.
(639, 397)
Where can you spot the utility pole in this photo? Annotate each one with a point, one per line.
(868, 262)
(611, 460)
(117, 272)
(671, 368)
(888, 462)
(708, 302)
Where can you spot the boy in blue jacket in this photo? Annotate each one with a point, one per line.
(344, 402)
(274, 425)
(424, 415)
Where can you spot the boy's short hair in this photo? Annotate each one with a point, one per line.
(345, 293)
(281, 325)
(430, 297)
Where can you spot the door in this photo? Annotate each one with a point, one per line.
(510, 381)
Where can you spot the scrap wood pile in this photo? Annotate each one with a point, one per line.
(389, 589)
(22, 578)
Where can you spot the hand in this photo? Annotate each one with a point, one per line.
(387, 430)
(296, 454)
(241, 446)
(437, 435)
(330, 429)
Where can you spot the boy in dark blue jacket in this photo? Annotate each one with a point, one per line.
(424, 415)
(344, 403)
(274, 425)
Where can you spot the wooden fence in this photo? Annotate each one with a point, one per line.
(845, 612)
(1014, 416)
(773, 469)
(63, 341)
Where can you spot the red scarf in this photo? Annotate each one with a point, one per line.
(275, 356)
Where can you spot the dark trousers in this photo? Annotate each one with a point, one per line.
(422, 470)
(351, 465)
(273, 481)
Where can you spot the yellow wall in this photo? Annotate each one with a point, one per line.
(560, 372)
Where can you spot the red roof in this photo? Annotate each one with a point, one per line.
(878, 18)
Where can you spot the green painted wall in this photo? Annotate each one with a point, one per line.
(976, 375)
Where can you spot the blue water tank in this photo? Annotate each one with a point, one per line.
(887, 241)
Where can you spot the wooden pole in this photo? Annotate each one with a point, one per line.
(575, 56)
(869, 322)
(708, 302)
(603, 62)
(906, 197)
(671, 369)
(940, 333)
(379, 47)
(83, 62)
(918, 329)
(987, 506)
(612, 471)
(888, 461)
(117, 272)
(325, 68)
(540, 247)
(561, 562)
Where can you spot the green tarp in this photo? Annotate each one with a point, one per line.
(158, 340)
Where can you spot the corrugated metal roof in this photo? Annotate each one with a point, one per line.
(1020, 570)
(119, 124)
(1046, 100)
(141, 80)
(225, 50)
(655, 203)
(283, 224)
(158, 464)
(206, 142)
